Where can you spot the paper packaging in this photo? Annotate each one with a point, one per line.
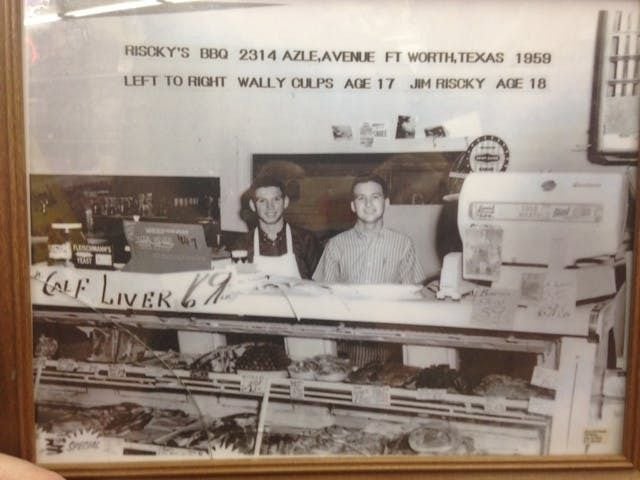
(87, 255)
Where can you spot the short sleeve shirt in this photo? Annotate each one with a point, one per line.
(355, 256)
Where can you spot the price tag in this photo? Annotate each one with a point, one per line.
(545, 377)
(117, 370)
(497, 405)
(86, 367)
(253, 383)
(157, 372)
(596, 435)
(431, 393)
(296, 389)
(41, 362)
(199, 374)
(93, 368)
(372, 395)
(67, 365)
(541, 406)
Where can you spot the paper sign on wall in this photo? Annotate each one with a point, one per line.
(341, 132)
(370, 131)
(366, 135)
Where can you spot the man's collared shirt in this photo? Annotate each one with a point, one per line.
(356, 256)
(306, 248)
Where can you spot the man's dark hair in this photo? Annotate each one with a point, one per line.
(370, 178)
(266, 181)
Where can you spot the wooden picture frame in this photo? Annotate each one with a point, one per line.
(16, 396)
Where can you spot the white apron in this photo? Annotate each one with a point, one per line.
(284, 265)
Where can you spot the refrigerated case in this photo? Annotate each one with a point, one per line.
(565, 364)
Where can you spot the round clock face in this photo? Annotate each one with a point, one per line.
(488, 154)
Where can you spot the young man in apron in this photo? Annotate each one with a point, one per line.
(280, 249)
(276, 247)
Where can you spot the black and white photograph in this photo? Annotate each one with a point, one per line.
(214, 275)
(406, 127)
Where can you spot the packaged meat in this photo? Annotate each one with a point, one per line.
(435, 438)
(324, 368)
(222, 359)
(441, 376)
(393, 374)
(506, 386)
(263, 357)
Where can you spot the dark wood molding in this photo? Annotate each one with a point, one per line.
(16, 399)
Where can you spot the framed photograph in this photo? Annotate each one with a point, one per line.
(304, 238)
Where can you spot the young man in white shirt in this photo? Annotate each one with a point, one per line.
(369, 253)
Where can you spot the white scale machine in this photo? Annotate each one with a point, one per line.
(551, 243)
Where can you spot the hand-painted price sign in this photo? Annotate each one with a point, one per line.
(199, 374)
(67, 365)
(158, 372)
(431, 394)
(496, 405)
(253, 383)
(296, 389)
(371, 395)
(86, 367)
(117, 371)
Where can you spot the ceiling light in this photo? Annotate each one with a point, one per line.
(40, 19)
(114, 7)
